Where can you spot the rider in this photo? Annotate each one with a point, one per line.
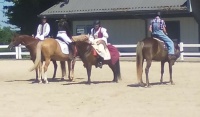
(99, 32)
(43, 29)
(158, 30)
(62, 28)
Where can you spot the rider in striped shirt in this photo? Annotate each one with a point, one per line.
(158, 30)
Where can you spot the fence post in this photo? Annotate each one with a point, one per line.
(20, 52)
(181, 49)
(16, 53)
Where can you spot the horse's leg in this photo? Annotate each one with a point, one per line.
(162, 71)
(36, 75)
(170, 73)
(40, 72)
(147, 72)
(55, 69)
(112, 67)
(89, 68)
(47, 62)
(70, 74)
(72, 64)
(63, 69)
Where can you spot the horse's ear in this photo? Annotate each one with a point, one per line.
(15, 34)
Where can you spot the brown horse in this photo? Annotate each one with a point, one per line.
(30, 44)
(153, 49)
(85, 52)
(47, 50)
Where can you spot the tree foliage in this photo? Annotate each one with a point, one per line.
(24, 13)
(5, 35)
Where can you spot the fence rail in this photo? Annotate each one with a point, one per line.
(18, 50)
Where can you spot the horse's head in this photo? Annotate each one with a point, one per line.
(20, 39)
(15, 41)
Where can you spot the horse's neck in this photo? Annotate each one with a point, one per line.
(30, 42)
(84, 49)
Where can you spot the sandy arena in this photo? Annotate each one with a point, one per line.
(19, 97)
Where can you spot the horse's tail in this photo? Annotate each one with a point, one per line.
(38, 56)
(139, 60)
(118, 72)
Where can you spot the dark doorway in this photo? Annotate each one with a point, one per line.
(173, 30)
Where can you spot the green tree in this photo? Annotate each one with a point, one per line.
(5, 35)
(24, 13)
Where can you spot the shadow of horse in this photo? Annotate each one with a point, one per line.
(85, 82)
(153, 49)
(155, 83)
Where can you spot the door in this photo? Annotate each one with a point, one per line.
(173, 30)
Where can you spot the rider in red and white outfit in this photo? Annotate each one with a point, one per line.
(98, 35)
(43, 29)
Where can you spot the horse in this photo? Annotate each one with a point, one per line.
(30, 44)
(86, 53)
(47, 50)
(153, 49)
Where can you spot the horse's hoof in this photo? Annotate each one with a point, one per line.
(142, 84)
(172, 83)
(148, 86)
(46, 82)
(88, 83)
(62, 79)
(53, 79)
(39, 82)
(115, 81)
(70, 79)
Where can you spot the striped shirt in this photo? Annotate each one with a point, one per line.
(159, 21)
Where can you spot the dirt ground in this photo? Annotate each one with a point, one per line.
(19, 97)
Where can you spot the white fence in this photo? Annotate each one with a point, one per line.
(18, 50)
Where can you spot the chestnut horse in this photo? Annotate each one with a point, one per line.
(30, 44)
(153, 49)
(48, 50)
(86, 53)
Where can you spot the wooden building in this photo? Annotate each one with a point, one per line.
(127, 21)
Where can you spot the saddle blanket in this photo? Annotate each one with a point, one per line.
(101, 50)
(63, 46)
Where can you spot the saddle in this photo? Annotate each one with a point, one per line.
(162, 43)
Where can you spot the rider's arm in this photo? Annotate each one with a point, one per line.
(47, 30)
(105, 34)
(150, 26)
(91, 38)
(164, 27)
(38, 31)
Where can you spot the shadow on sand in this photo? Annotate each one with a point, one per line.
(151, 84)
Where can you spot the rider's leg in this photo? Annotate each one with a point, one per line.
(170, 44)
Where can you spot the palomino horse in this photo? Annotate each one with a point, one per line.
(152, 49)
(30, 44)
(47, 50)
(86, 53)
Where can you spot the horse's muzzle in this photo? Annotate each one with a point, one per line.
(10, 47)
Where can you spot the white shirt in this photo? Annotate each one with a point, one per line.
(103, 31)
(41, 34)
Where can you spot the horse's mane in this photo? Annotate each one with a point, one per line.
(84, 48)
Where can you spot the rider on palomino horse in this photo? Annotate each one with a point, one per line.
(98, 39)
(64, 36)
(158, 30)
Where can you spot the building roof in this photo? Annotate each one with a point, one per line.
(112, 6)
